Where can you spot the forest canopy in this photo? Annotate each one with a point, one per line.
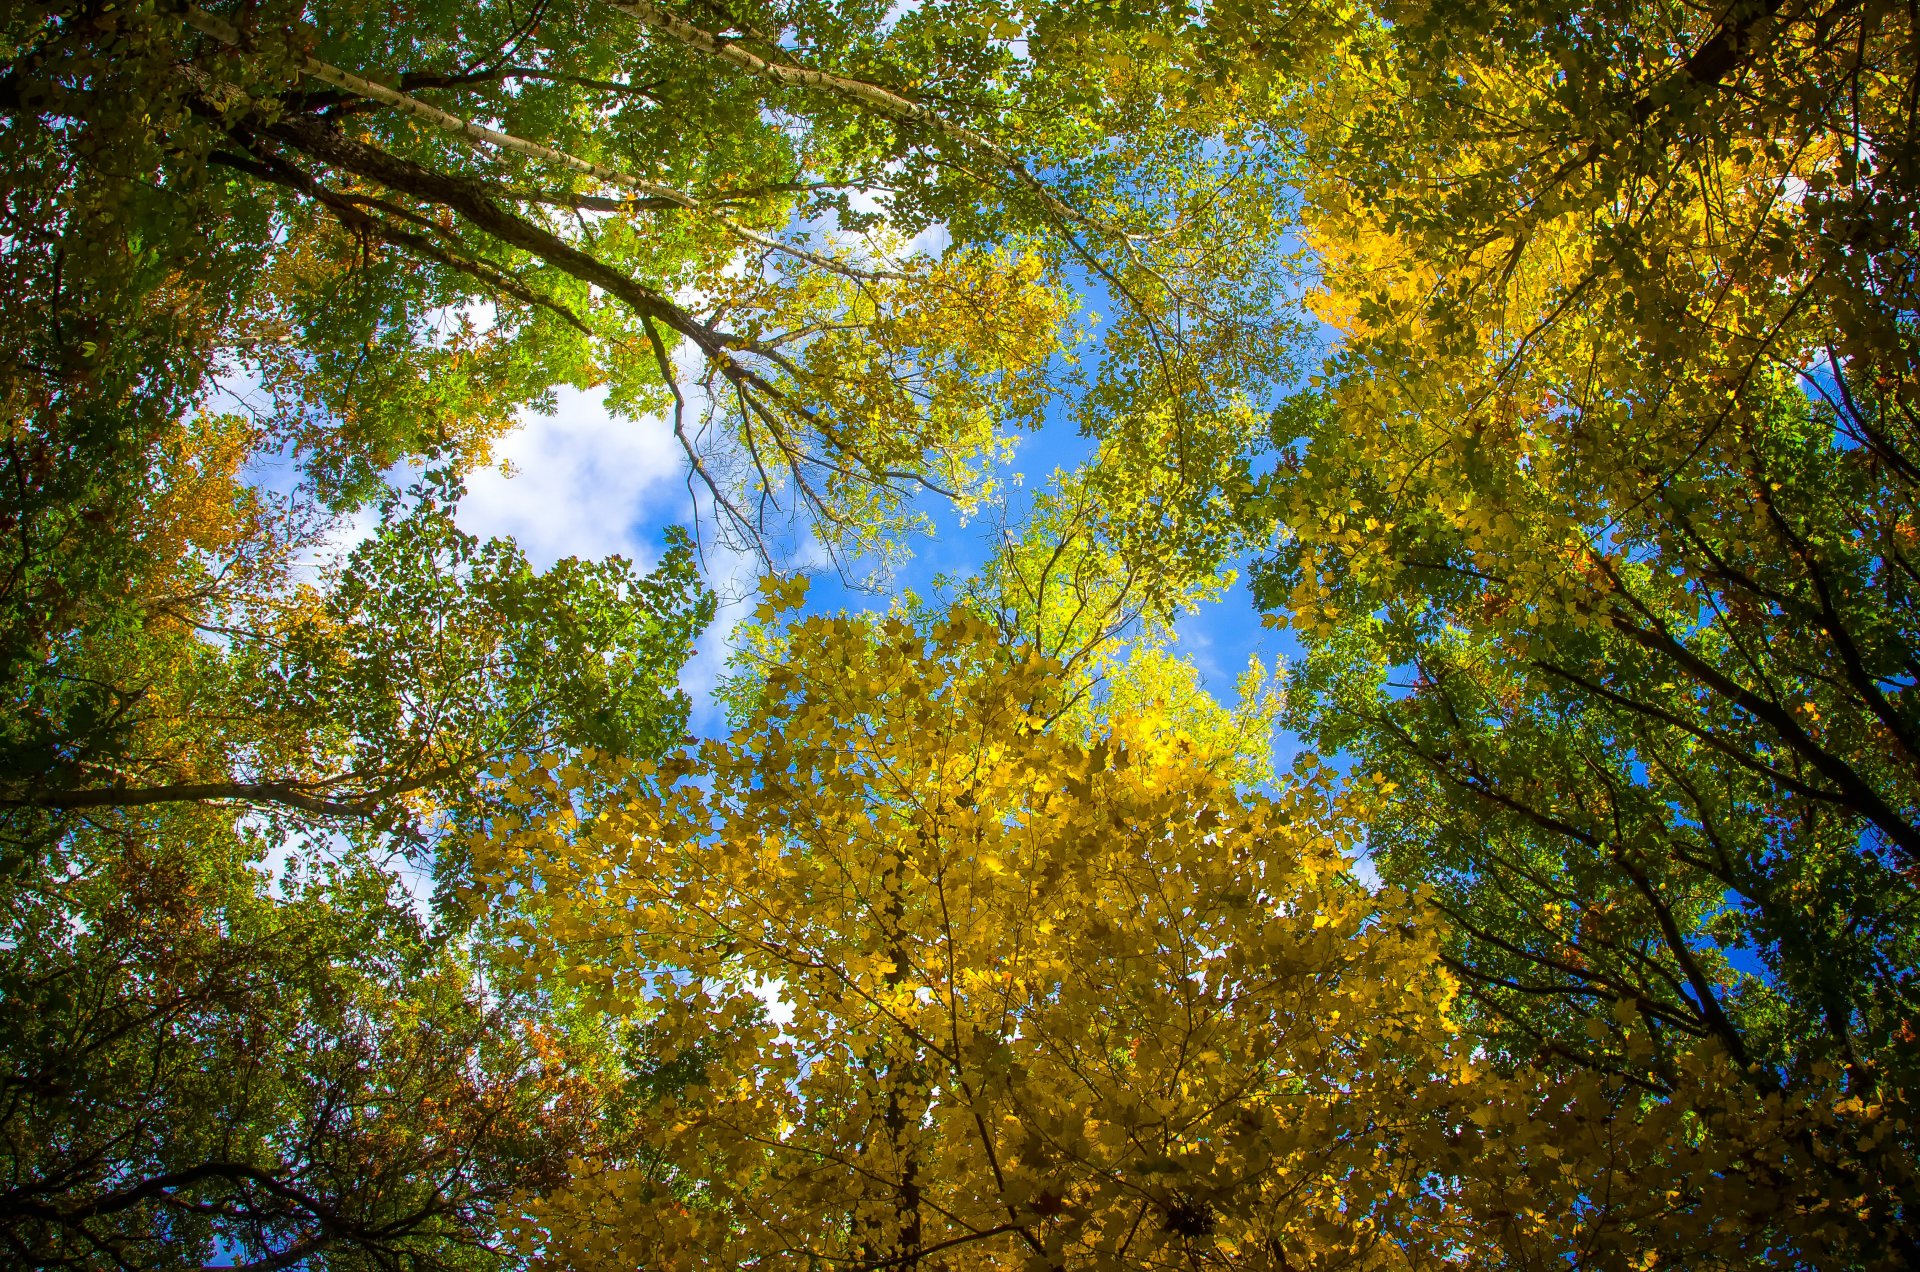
(379, 893)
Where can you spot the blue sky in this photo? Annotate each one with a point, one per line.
(581, 482)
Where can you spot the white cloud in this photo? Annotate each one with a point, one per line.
(581, 483)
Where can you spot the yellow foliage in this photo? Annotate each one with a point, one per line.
(1037, 998)
(892, 383)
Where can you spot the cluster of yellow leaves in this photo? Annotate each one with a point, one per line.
(1151, 683)
(1720, 1172)
(1033, 1000)
(898, 381)
(1552, 290)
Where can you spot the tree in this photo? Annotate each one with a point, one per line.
(387, 231)
(225, 1026)
(178, 659)
(962, 989)
(198, 1068)
(1594, 534)
(227, 1031)
(1597, 532)
(399, 273)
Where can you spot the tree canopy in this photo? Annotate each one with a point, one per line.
(405, 223)
(1548, 369)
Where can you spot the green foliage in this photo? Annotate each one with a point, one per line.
(197, 1066)
(374, 697)
(403, 224)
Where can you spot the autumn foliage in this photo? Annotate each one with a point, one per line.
(1546, 372)
(953, 983)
